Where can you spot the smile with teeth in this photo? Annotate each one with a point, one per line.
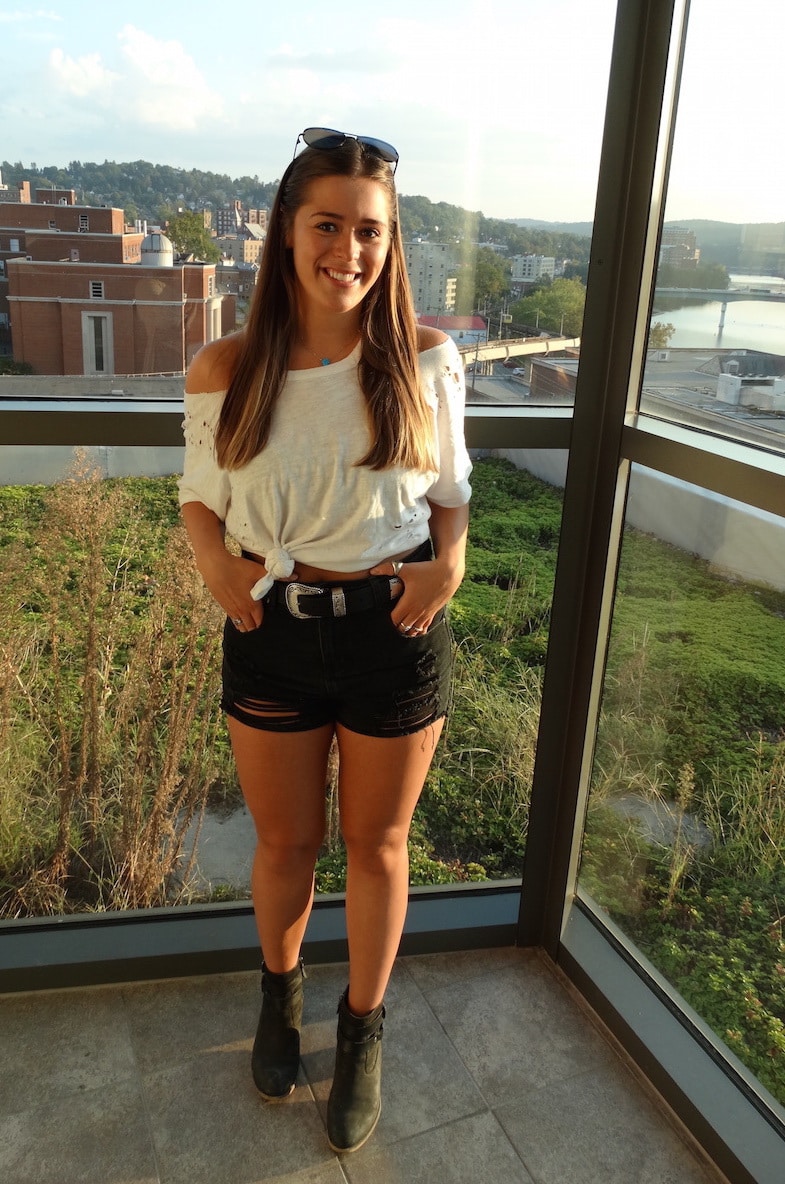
(342, 277)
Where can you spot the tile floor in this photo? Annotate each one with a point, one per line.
(494, 1074)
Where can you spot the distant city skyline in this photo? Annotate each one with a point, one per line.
(500, 111)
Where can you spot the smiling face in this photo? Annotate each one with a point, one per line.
(340, 238)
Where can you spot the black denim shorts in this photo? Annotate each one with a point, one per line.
(293, 674)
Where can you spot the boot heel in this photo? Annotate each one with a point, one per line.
(275, 1059)
(355, 1103)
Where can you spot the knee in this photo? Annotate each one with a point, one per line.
(379, 855)
(283, 853)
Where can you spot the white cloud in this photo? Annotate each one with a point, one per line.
(167, 87)
(81, 76)
(155, 83)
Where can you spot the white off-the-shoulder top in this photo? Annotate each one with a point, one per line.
(303, 497)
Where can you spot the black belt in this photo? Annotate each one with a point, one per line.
(333, 600)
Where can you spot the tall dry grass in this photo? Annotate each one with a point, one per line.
(109, 718)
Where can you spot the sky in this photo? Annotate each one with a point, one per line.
(492, 106)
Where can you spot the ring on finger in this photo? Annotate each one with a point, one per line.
(397, 564)
(237, 620)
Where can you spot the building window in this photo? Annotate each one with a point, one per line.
(96, 289)
(14, 245)
(52, 224)
(84, 223)
(97, 344)
(210, 285)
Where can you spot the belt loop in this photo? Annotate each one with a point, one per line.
(339, 602)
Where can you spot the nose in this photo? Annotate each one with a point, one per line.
(347, 245)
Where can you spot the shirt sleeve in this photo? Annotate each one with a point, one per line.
(447, 385)
(203, 480)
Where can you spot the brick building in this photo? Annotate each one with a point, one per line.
(79, 294)
(104, 318)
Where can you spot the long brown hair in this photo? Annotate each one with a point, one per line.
(400, 421)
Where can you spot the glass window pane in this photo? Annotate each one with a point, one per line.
(685, 835)
(717, 338)
(118, 786)
(534, 161)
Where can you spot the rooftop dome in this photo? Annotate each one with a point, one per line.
(157, 251)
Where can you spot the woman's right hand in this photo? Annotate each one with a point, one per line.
(229, 580)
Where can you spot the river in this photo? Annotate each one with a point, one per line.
(750, 324)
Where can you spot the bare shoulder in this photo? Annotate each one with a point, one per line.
(429, 338)
(213, 367)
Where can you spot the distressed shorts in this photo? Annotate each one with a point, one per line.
(293, 674)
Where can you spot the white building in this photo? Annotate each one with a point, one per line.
(431, 269)
(528, 268)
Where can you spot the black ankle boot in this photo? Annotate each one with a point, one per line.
(355, 1100)
(275, 1059)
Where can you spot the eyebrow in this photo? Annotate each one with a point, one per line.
(341, 218)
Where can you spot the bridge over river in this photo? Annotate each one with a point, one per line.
(723, 296)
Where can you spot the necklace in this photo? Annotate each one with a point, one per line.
(323, 361)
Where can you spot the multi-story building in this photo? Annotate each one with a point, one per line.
(81, 294)
(527, 269)
(246, 245)
(431, 268)
(111, 318)
(55, 229)
(678, 247)
(229, 219)
(16, 193)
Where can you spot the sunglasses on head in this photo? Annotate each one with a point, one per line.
(326, 138)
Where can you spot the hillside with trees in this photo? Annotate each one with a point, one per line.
(151, 191)
(142, 189)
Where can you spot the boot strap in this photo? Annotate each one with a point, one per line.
(371, 1038)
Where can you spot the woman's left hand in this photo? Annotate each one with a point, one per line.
(427, 587)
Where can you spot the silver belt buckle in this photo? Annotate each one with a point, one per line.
(293, 592)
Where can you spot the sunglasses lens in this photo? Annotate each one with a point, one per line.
(385, 150)
(323, 137)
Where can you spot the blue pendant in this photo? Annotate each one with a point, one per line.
(325, 361)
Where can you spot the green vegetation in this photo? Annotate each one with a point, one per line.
(660, 334)
(108, 670)
(190, 236)
(705, 275)
(9, 366)
(556, 307)
(143, 189)
(112, 743)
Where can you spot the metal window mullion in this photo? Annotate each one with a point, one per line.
(726, 467)
(626, 225)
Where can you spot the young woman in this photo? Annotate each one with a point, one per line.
(327, 438)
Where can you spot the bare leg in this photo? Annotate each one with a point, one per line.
(380, 781)
(282, 776)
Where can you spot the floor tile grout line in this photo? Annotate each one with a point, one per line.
(488, 1105)
(148, 1118)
